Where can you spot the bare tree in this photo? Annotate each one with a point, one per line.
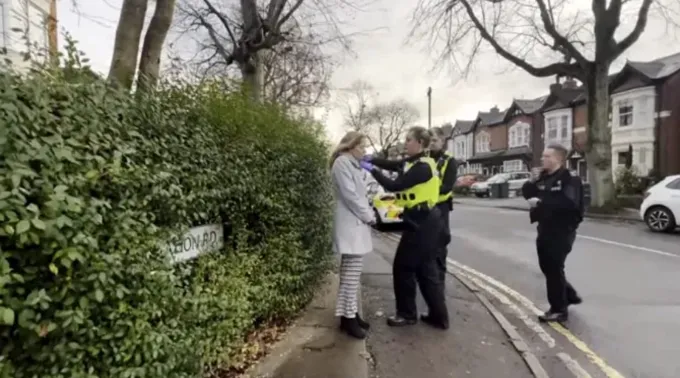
(295, 73)
(238, 34)
(390, 121)
(128, 37)
(383, 123)
(150, 61)
(358, 100)
(126, 45)
(581, 43)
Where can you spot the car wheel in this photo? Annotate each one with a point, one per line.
(660, 219)
(479, 195)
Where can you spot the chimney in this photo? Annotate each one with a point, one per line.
(570, 83)
(494, 110)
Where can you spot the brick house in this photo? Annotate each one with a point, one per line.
(490, 141)
(462, 138)
(522, 119)
(646, 116)
(564, 119)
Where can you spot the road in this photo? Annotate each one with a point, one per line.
(629, 323)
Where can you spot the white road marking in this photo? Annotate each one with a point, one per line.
(645, 249)
(573, 365)
(528, 321)
(609, 371)
(507, 290)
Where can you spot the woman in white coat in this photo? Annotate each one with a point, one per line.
(351, 228)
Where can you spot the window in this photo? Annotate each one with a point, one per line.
(37, 29)
(513, 166)
(519, 135)
(622, 158)
(583, 170)
(552, 129)
(675, 184)
(2, 26)
(625, 113)
(564, 127)
(483, 142)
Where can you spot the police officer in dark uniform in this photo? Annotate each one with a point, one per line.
(417, 190)
(556, 200)
(446, 166)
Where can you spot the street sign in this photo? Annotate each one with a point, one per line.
(196, 241)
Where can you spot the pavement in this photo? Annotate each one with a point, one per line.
(475, 345)
(519, 203)
(628, 277)
(313, 347)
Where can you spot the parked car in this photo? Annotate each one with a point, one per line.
(481, 189)
(661, 207)
(383, 203)
(464, 182)
(517, 180)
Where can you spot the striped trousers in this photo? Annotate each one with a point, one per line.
(350, 277)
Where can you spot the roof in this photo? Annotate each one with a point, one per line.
(530, 106)
(658, 68)
(492, 117)
(447, 129)
(463, 126)
(561, 97)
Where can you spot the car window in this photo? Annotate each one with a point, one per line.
(675, 184)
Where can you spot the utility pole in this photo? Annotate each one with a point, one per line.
(53, 47)
(429, 107)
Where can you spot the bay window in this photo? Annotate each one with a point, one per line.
(519, 135)
(483, 142)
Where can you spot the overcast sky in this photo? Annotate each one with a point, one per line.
(382, 59)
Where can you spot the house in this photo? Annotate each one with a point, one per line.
(523, 118)
(645, 99)
(31, 17)
(490, 142)
(462, 138)
(563, 106)
(447, 130)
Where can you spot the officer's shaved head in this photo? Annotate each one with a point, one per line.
(560, 150)
(554, 157)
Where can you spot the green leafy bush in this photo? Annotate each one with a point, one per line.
(93, 181)
(628, 181)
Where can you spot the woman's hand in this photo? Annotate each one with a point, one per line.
(366, 165)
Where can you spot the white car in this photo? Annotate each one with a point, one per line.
(481, 189)
(661, 207)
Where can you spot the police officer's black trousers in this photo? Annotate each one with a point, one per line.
(443, 250)
(553, 248)
(415, 262)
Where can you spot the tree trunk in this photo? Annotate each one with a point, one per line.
(598, 154)
(126, 45)
(251, 72)
(150, 62)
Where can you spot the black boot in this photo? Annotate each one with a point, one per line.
(398, 321)
(362, 323)
(352, 328)
(554, 316)
(436, 323)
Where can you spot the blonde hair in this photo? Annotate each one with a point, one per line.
(421, 134)
(347, 143)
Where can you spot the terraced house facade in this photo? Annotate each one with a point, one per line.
(645, 119)
(24, 29)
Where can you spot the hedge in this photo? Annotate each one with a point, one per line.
(94, 181)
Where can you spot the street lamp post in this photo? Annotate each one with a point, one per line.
(429, 107)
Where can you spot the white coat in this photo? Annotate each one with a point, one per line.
(351, 232)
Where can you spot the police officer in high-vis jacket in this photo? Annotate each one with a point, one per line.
(417, 190)
(447, 169)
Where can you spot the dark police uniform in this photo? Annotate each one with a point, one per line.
(415, 259)
(446, 166)
(558, 214)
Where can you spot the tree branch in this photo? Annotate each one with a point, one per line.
(565, 69)
(640, 24)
